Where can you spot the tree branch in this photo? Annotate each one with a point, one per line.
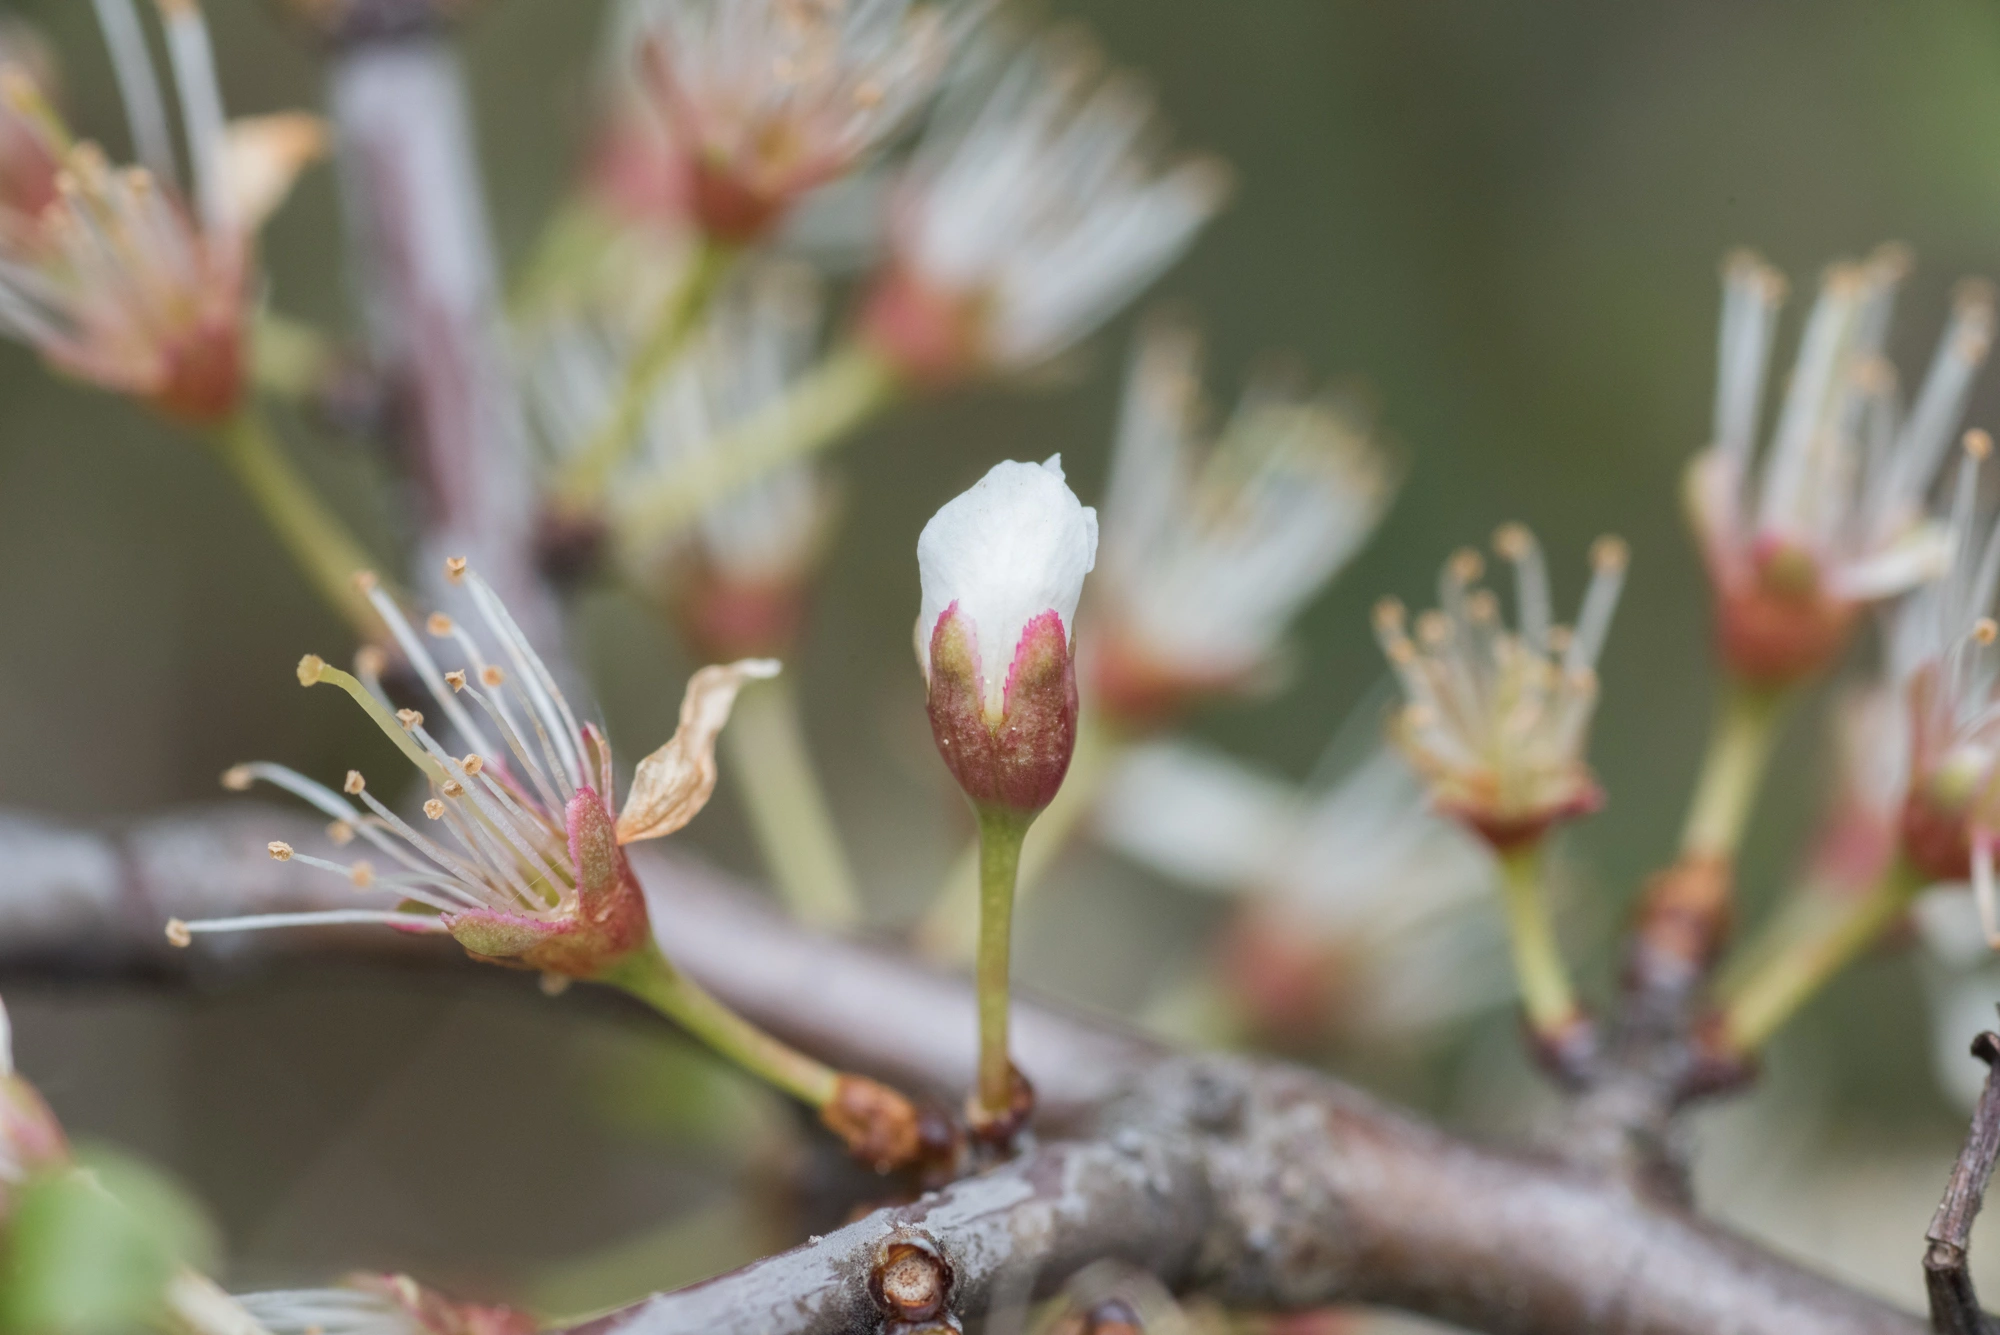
(1955, 1306)
(1262, 1183)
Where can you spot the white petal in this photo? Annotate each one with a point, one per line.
(1016, 545)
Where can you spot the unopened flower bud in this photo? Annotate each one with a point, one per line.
(1002, 568)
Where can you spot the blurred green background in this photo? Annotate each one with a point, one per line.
(1506, 218)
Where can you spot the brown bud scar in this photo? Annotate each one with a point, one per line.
(178, 934)
(454, 568)
(438, 624)
(410, 719)
(455, 680)
(355, 783)
(237, 778)
(878, 1125)
(910, 1279)
(279, 850)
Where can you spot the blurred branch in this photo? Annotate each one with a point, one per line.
(429, 292)
(1264, 1184)
(1954, 1306)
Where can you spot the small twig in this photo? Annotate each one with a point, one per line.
(1954, 1306)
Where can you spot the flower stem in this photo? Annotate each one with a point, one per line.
(787, 806)
(949, 931)
(1000, 836)
(1739, 747)
(647, 975)
(1546, 995)
(843, 391)
(1792, 976)
(317, 540)
(584, 478)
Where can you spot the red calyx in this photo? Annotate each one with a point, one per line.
(1016, 762)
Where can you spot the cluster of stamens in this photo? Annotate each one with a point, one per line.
(1495, 718)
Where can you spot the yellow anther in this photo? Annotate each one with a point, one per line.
(455, 680)
(434, 809)
(1513, 541)
(237, 778)
(178, 933)
(341, 833)
(279, 850)
(473, 764)
(454, 568)
(410, 719)
(438, 624)
(362, 874)
(1977, 443)
(452, 788)
(370, 660)
(1609, 553)
(491, 676)
(365, 581)
(355, 783)
(310, 668)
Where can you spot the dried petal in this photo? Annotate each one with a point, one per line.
(673, 784)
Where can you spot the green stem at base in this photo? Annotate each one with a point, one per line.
(1546, 994)
(787, 806)
(1000, 835)
(949, 931)
(649, 976)
(1774, 993)
(319, 542)
(1739, 748)
(851, 385)
(585, 476)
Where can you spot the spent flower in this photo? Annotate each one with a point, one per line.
(1496, 719)
(1833, 519)
(1360, 910)
(737, 108)
(1002, 569)
(738, 576)
(135, 278)
(524, 859)
(1035, 208)
(1214, 540)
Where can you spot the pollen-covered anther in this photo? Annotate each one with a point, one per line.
(434, 808)
(472, 764)
(178, 934)
(237, 778)
(371, 660)
(1482, 606)
(1433, 629)
(341, 833)
(1467, 565)
(366, 581)
(455, 680)
(411, 719)
(491, 676)
(1978, 444)
(438, 625)
(1609, 553)
(1984, 630)
(279, 850)
(452, 788)
(454, 568)
(311, 667)
(1390, 615)
(354, 783)
(362, 874)
(1513, 541)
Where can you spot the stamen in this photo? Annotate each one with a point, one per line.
(312, 669)
(439, 625)
(1978, 444)
(362, 874)
(454, 568)
(280, 850)
(341, 833)
(178, 934)
(1389, 615)
(455, 680)
(370, 660)
(366, 581)
(434, 808)
(492, 676)
(452, 788)
(1984, 631)
(473, 764)
(354, 784)
(237, 778)
(409, 718)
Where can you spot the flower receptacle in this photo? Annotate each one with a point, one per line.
(1013, 761)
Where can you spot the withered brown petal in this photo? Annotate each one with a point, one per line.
(674, 783)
